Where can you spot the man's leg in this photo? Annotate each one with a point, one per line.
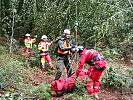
(68, 67)
(43, 63)
(26, 51)
(59, 68)
(92, 72)
(49, 61)
(97, 82)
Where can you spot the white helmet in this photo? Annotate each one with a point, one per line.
(44, 37)
(27, 34)
(80, 48)
(66, 31)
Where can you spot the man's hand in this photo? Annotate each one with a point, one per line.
(35, 36)
(51, 42)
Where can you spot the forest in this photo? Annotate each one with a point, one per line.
(103, 25)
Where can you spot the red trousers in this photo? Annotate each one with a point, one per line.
(26, 52)
(44, 59)
(94, 80)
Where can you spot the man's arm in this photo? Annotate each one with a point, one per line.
(81, 61)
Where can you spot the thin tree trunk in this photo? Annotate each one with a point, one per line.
(11, 38)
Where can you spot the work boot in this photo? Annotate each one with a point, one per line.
(51, 66)
(43, 69)
(96, 96)
(53, 93)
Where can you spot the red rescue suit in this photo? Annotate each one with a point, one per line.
(43, 47)
(97, 65)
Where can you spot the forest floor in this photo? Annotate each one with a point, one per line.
(36, 77)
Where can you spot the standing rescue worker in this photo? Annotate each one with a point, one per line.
(97, 65)
(63, 50)
(43, 47)
(28, 41)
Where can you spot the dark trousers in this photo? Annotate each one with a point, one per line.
(63, 60)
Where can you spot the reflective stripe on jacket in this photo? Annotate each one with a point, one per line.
(65, 51)
(43, 45)
(28, 42)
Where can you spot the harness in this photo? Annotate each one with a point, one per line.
(96, 58)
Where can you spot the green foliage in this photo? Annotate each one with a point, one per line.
(106, 21)
(116, 77)
(40, 92)
(105, 24)
(111, 54)
(10, 68)
(79, 92)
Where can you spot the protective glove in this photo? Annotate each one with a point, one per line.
(77, 72)
(74, 48)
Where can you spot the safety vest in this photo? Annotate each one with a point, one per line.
(43, 46)
(63, 52)
(28, 42)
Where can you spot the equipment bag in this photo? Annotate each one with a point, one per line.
(63, 84)
(67, 83)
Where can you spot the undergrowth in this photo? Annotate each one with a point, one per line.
(118, 76)
(12, 81)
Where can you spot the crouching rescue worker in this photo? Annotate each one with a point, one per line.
(63, 50)
(28, 41)
(43, 47)
(97, 65)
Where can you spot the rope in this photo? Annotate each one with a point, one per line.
(76, 25)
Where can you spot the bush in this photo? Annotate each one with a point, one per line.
(116, 77)
(10, 68)
(41, 92)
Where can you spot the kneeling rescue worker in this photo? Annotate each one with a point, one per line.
(43, 47)
(97, 65)
(64, 48)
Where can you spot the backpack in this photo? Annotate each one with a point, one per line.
(56, 44)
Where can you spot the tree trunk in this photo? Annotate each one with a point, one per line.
(11, 38)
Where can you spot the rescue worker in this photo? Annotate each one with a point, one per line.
(28, 41)
(63, 51)
(97, 65)
(43, 47)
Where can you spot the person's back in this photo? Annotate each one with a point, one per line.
(97, 65)
(92, 57)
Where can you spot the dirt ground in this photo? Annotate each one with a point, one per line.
(36, 77)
